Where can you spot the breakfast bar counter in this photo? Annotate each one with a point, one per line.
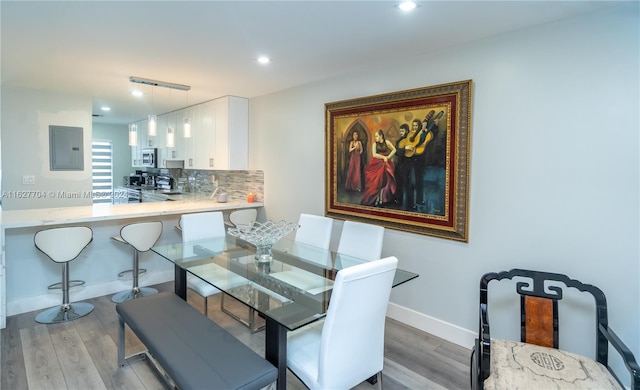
(106, 211)
(25, 273)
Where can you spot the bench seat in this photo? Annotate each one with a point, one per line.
(193, 350)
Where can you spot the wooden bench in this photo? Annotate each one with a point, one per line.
(195, 352)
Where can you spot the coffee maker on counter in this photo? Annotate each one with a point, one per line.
(149, 180)
(164, 182)
(134, 179)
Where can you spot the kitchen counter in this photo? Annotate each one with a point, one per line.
(25, 272)
(185, 203)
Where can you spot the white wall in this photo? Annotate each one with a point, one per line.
(554, 164)
(26, 116)
(119, 137)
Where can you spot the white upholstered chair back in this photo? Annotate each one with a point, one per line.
(142, 235)
(63, 244)
(350, 348)
(200, 226)
(361, 240)
(314, 230)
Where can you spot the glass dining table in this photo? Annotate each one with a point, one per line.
(291, 291)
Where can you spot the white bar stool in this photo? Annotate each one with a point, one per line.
(242, 217)
(63, 245)
(141, 236)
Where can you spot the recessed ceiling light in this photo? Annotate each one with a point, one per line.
(136, 93)
(407, 6)
(105, 108)
(264, 60)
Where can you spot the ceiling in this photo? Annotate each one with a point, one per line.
(91, 48)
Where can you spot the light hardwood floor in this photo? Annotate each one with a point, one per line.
(82, 354)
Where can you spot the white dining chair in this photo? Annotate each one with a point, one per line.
(202, 226)
(243, 217)
(314, 230)
(361, 240)
(348, 346)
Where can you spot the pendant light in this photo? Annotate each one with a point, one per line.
(187, 122)
(133, 128)
(152, 118)
(133, 134)
(187, 128)
(151, 129)
(152, 126)
(171, 138)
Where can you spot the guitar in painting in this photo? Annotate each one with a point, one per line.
(419, 139)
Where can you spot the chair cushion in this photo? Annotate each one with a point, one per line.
(304, 280)
(516, 365)
(303, 353)
(201, 287)
(215, 272)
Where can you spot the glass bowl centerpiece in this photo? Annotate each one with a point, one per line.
(263, 236)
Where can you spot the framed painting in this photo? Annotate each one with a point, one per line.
(401, 159)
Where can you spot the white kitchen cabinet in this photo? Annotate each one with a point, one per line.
(200, 152)
(136, 151)
(219, 138)
(146, 141)
(176, 152)
(189, 144)
(135, 154)
(180, 150)
(159, 140)
(232, 133)
(174, 119)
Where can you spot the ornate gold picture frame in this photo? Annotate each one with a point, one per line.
(401, 159)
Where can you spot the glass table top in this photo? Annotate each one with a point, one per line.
(294, 289)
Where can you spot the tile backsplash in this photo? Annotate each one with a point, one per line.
(237, 184)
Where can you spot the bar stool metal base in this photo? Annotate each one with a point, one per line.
(130, 271)
(72, 283)
(128, 295)
(64, 313)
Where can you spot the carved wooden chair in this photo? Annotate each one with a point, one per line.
(536, 361)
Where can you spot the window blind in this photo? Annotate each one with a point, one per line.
(102, 168)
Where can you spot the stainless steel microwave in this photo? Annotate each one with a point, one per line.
(150, 157)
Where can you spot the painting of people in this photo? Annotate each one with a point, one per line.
(398, 162)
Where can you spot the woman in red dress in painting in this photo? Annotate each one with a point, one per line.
(379, 180)
(354, 173)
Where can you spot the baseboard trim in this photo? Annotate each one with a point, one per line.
(434, 326)
(54, 298)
